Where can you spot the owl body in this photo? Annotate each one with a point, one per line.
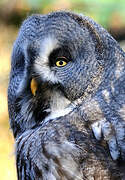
(65, 149)
(73, 126)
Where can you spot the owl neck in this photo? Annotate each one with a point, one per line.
(92, 88)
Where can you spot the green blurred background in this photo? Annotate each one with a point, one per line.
(109, 13)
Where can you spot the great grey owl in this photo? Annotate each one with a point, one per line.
(66, 100)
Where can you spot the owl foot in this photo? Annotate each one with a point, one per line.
(114, 134)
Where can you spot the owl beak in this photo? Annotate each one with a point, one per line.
(33, 86)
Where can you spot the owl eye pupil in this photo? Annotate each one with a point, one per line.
(60, 63)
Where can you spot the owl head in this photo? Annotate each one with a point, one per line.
(68, 55)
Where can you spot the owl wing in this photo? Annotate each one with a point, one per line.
(64, 149)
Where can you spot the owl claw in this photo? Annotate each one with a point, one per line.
(113, 147)
(114, 135)
(96, 127)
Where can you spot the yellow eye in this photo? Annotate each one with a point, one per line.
(61, 61)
